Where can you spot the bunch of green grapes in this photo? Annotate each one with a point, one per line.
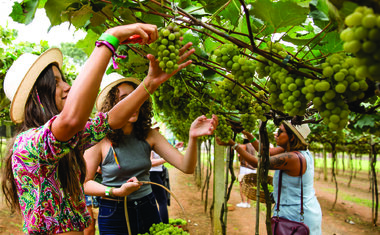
(265, 68)
(243, 69)
(362, 38)
(224, 53)
(339, 84)
(284, 88)
(195, 108)
(178, 85)
(248, 121)
(228, 92)
(340, 72)
(252, 109)
(223, 131)
(270, 188)
(285, 91)
(168, 46)
(177, 221)
(163, 229)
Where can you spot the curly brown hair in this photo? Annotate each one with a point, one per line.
(143, 124)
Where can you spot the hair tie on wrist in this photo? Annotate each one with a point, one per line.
(147, 89)
(252, 140)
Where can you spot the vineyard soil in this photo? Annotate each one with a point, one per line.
(348, 218)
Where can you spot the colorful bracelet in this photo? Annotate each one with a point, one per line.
(252, 140)
(108, 191)
(112, 49)
(110, 39)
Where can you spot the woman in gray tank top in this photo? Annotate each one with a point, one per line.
(125, 154)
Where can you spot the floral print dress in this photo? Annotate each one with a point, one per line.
(36, 152)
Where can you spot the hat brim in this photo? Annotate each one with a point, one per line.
(51, 56)
(295, 131)
(104, 92)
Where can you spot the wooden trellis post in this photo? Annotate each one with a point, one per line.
(219, 187)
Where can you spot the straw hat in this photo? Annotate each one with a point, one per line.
(108, 82)
(22, 76)
(301, 131)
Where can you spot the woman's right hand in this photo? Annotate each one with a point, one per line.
(127, 188)
(147, 32)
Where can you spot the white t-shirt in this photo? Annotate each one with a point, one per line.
(159, 167)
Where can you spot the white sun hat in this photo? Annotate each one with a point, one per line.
(109, 81)
(22, 76)
(301, 131)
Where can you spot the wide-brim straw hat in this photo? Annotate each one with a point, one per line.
(109, 81)
(22, 76)
(301, 131)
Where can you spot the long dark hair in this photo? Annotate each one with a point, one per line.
(141, 127)
(34, 116)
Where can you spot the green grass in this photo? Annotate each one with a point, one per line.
(347, 197)
(365, 164)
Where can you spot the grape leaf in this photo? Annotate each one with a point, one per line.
(279, 14)
(80, 18)
(24, 12)
(55, 8)
(319, 11)
(366, 121)
(88, 43)
(331, 43)
(232, 12)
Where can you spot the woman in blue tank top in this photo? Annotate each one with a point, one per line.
(125, 154)
(290, 138)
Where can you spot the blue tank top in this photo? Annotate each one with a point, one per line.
(290, 201)
(133, 156)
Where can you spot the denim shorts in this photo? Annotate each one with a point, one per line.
(92, 201)
(142, 214)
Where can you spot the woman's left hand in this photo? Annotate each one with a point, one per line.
(156, 76)
(203, 126)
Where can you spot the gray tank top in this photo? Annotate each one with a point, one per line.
(133, 156)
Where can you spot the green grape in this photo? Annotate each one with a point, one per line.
(354, 19)
(369, 21)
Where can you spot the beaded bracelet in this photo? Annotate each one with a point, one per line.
(252, 140)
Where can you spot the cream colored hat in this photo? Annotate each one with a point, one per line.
(108, 82)
(22, 76)
(301, 131)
